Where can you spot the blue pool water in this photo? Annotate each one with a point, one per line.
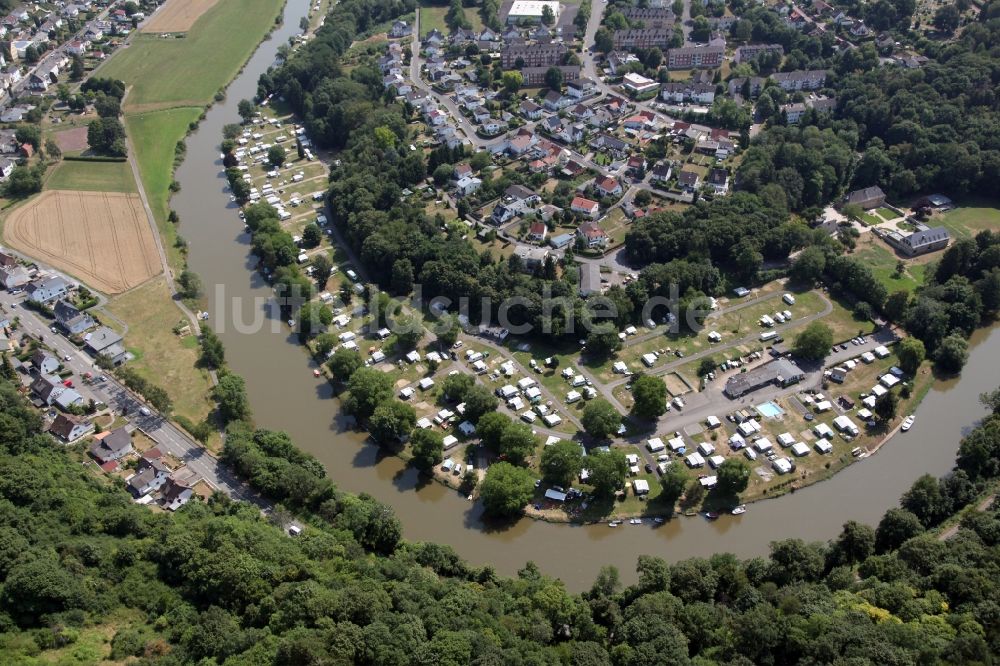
(769, 410)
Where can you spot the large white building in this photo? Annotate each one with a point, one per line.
(531, 10)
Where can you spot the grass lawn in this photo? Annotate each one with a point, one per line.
(433, 17)
(163, 358)
(191, 70)
(965, 222)
(92, 176)
(883, 264)
(886, 214)
(154, 136)
(870, 219)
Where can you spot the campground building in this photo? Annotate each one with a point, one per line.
(780, 372)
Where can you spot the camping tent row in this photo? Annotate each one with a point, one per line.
(706, 448)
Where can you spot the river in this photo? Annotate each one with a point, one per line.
(285, 396)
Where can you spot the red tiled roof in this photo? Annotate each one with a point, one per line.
(110, 466)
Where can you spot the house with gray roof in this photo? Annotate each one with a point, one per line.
(780, 371)
(71, 319)
(70, 428)
(920, 242)
(113, 446)
(44, 290)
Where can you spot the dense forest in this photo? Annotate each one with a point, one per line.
(218, 583)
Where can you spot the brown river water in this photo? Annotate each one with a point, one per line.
(286, 396)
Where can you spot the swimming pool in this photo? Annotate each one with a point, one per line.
(769, 410)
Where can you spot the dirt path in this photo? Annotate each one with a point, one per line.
(953, 530)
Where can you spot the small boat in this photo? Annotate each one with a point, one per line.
(316, 372)
(741, 509)
(907, 423)
(614, 523)
(711, 515)
(659, 519)
(636, 521)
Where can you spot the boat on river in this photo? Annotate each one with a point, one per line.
(741, 509)
(907, 423)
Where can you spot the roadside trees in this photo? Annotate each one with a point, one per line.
(561, 462)
(231, 396)
(603, 341)
(479, 401)
(456, 387)
(600, 419)
(344, 362)
(650, 395)
(506, 489)
(814, 343)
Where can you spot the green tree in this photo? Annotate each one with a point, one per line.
(231, 395)
(313, 318)
(7, 370)
(246, 109)
(855, 543)
(548, 16)
(733, 476)
(392, 421)
(312, 235)
(947, 18)
(650, 396)
(479, 401)
(446, 330)
(456, 387)
(276, 155)
(554, 78)
(603, 340)
(517, 442)
(491, 428)
(506, 489)
(560, 462)
(608, 471)
(408, 332)
(344, 363)
(600, 419)
(512, 81)
(368, 388)
(886, 406)
(402, 276)
(673, 481)
(190, 284)
(814, 342)
(213, 354)
(896, 526)
(322, 268)
(604, 41)
(76, 69)
(896, 306)
(427, 446)
(706, 365)
(952, 354)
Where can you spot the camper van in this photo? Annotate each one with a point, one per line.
(768, 335)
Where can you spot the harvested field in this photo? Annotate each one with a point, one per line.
(102, 238)
(177, 15)
(72, 140)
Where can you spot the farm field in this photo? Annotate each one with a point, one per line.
(102, 238)
(189, 71)
(178, 15)
(160, 356)
(92, 176)
(72, 141)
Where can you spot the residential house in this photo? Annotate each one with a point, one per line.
(533, 77)
(467, 185)
(608, 187)
(660, 173)
(581, 112)
(531, 257)
(868, 198)
(590, 279)
(538, 231)
(702, 93)
(920, 242)
(794, 112)
(748, 52)
(638, 121)
(530, 110)
(592, 234)
(583, 206)
(693, 57)
(719, 180)
(113, 445)
(400, 29)
(688, 180)
(556, 101)
(175, 494)
(107, 343)
(553, 124)
(619, 60)
(44, 363)
(517, 56)
(434, 38)
(150, 476)
(580, 87)
(6, 168)
(636, 165)
(44, 290)
(651, 17)
(739, 86)
(812, 79)
(70, 428)
(642, 38)
(611, 144)
(14, 277)
(7, 260)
